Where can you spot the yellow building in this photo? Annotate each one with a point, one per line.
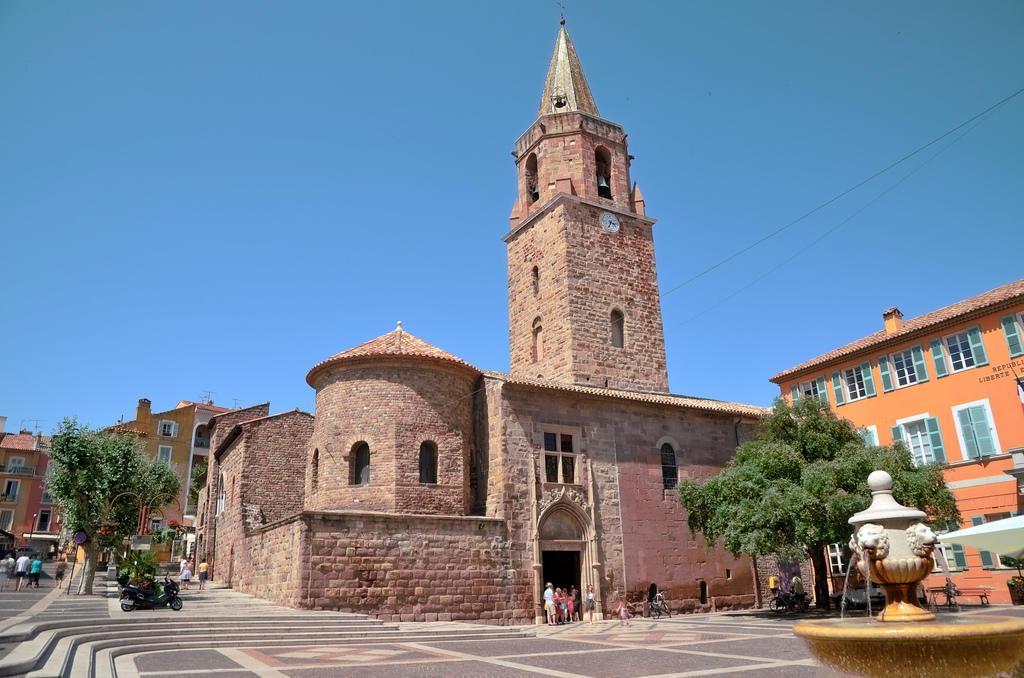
(180, 437)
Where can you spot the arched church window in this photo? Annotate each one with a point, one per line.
(315, 470)
(222, 489)
(360, 464)
(537, 350)
(536, 280)
(428, 462)
(532, 178)
(669, 469)
(603, 168)
(618, 328)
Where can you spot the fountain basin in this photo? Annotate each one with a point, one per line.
(979, 646)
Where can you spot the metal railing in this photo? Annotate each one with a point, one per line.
(18, 470)
(8, 498)
(203, 443)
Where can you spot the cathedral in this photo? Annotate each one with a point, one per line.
(426, 488)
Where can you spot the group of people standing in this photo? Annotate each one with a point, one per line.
(565, 606)
(187, 569)
(26, 571)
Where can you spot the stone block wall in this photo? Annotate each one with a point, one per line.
(275, 463)
(271, 562)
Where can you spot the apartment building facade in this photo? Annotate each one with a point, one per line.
(27, 511)
(950, 386)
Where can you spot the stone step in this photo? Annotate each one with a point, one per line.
(76, 655)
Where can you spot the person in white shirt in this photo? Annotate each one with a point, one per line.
(21, 570)
(6, 571)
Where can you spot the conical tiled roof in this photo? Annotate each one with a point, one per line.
(396, 343)
(565, 88)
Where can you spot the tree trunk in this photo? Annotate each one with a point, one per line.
(821, 596)
(88, 569)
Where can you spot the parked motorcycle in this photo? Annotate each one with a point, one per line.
(136, 597)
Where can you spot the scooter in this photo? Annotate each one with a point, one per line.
(138, 598)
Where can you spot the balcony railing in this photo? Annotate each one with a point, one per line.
(9, 498)
(202, 442)
(191, 507)
(18, 470)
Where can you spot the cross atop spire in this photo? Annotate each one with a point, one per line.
(565, 88)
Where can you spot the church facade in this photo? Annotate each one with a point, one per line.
(425, 488)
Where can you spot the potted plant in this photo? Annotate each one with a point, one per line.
(1015, 583)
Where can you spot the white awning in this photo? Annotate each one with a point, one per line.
(1005, 536)
(41, 536)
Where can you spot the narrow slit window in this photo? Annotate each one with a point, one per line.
(428, 463)
(315, 470)
(537, 349)
(361, 464)
(532, 179)
(669, 467)
(618, 328)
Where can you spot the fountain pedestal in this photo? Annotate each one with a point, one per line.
(894, 550)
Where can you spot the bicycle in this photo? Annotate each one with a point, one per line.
(788, 602)
(659, 606)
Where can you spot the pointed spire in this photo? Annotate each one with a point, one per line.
(565, 88)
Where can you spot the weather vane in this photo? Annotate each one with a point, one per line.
(561, 11)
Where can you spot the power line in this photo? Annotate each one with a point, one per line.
(836, 197)
(839, 225)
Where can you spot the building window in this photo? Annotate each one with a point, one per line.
(163, 453)
(814, 389)
(314, 472)
(869, 434)
(536, 280)
(559, 458)
(855, 386)
(222, 496)
(974, 427)
(961, 355)
(428, 462)
(904, 365)
(618, 328)
(43, 523)
(156, 525)
(917, 440)
(953, 554)
(669, 469)
(202, 437)
(6, 518)
(15, 464)
(537, 349)
(532, 178)
(837, 559)
(47, 498)
(603, 167)
(11, 490)
(168, 429)
(361, 464)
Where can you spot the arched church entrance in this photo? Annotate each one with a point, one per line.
(563, 548)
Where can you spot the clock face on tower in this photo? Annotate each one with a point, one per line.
(609, 222)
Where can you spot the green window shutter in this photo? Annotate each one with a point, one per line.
(939, 358)
(822, 392)
(977, 347)
(967, 429)
(1013, 340)
(897, 434)
(837, 388)
(931, 424)
(959, 557)
(795, 393)
(919, 367)
(982, 431)
(986, 557)
(883, 369)
(869, 381)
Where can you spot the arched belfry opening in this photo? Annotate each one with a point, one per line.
(603, 169)
(532, 179)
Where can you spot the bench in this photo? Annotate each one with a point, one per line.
(981, 592)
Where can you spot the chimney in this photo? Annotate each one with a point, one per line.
(3, 423)
(893, 318)
(142, 411)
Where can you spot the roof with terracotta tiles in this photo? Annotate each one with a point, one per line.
(202, 406)
(961, 311)
(23, 441)
(396, 343)
(672, 400)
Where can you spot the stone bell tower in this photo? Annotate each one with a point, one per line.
(583, 290)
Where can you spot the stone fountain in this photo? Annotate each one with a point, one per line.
(893, 547)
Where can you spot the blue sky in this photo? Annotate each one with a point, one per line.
(214, 196)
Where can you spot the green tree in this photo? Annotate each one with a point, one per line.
(791, 491)
(102, 481)
(198, 481)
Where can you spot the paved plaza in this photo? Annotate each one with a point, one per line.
(225, 634)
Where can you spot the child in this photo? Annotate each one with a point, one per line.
(623, 611)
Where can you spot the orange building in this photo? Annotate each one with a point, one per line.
(945, 384)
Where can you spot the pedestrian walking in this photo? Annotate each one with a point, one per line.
(6, 571)
(573, 594)
(623, 611)
(35, 569)
(203, 573)
(58, 574)
(591, 603)
(185, 576)
(549, 605)
(21, 570)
